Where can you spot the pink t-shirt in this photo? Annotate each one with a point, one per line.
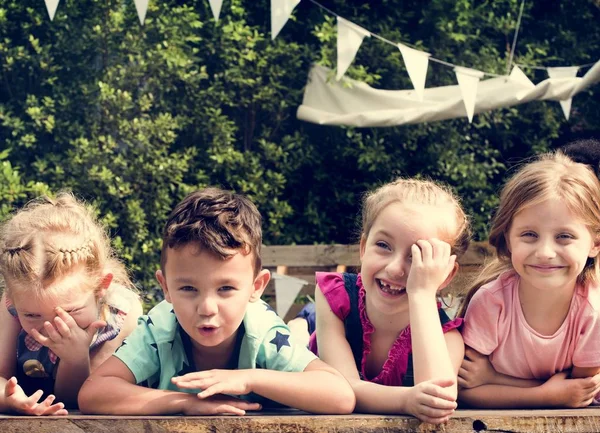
(495, 326)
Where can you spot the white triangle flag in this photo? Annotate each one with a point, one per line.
(286, 291)
(564, 72)
(51, 5)
(349, 39)
(280, 13)
(416, 63)
(142, 7)
(468, 79)
(215, 6)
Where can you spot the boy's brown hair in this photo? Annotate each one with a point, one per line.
(218, 221)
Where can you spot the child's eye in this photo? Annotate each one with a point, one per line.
(226, 289)
(383, 245)
(565, 236)
(187, 289)
(31, 316)
(528, 235)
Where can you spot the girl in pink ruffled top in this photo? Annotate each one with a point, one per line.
(383, 329)
(532, 320)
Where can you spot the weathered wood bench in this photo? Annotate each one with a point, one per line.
(302, 261)
(522, 421)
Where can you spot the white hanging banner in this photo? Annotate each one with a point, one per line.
(416, 64)
(215, 6)
(564, 72)
(286, 291)
(51, 5)
(349, 39)
(280, 13)
(142, 7)
(468, 79)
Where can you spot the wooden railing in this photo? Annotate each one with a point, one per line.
(302, 261)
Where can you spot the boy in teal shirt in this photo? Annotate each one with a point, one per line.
(213, 338)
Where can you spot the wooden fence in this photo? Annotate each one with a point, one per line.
(302, 261)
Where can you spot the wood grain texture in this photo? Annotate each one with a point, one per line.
(577, 420)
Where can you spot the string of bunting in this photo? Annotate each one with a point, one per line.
(350, 37)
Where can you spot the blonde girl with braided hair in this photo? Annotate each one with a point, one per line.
(67, 304)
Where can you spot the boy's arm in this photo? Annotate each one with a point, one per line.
(111, 390)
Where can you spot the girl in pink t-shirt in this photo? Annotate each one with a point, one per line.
(382, 329)
(532, 323)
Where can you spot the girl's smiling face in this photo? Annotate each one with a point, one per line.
(72, 293)
(549, 246)
(386, 251)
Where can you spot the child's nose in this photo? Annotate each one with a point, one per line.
(545, 249)
(397, 268)
(207, 306)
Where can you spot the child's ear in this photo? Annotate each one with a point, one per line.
(451, 275)
(595, 249)
(163, 283)
(363, 244)
(104, 285)
(260, 283)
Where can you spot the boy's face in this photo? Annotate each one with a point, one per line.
(210, 294)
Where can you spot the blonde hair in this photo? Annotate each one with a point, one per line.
(51, 238)
(551, 175)
(423, 192)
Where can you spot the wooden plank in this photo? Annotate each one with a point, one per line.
(347, 255)
(567, 421)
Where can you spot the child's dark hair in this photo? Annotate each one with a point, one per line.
(220, 222)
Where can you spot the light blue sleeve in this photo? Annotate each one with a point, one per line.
(279, 352)
(139, 353)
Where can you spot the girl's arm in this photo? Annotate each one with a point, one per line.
(112, 390)
(580, 372)
(371, 397)
(558, 391)
(72, 372)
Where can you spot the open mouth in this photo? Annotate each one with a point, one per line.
(390, 289)
(207, 330)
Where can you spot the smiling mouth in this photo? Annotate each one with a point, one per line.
(390, 289)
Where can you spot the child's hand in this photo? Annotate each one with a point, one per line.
(572, 393)
(218, 405)
(235, 382)
(19, 402)
(431, 265)
(65, 338)
(432, 401)
(476, 370)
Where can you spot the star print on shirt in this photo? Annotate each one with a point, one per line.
(269, 308)
(280, 340)
(149, 321)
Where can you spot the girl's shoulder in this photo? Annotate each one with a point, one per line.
(589, 295)
(333, 287)
(500, 288)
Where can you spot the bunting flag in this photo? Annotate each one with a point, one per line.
(142, 7)
(416, 63)
(468, 79)
(564, 72)
(281, 10)
(286, 291)
(215, 6)
(349, 39)
(329, 102)
(51, 5)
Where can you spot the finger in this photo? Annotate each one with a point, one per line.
(65, 317)
(431, 420)
(194, 384)
(444, 393)
(39, 337)
(417, 257)
(462, 383)
(426, 250)
(57, 410)
(218, 388)
(61, 326)
(226, 408)
(442, 382)
(435, 412)
(94, 327)
(10, 387)
(191, 376)
(451, 263)
(440, 404)
(34, 398)
(52, 332)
